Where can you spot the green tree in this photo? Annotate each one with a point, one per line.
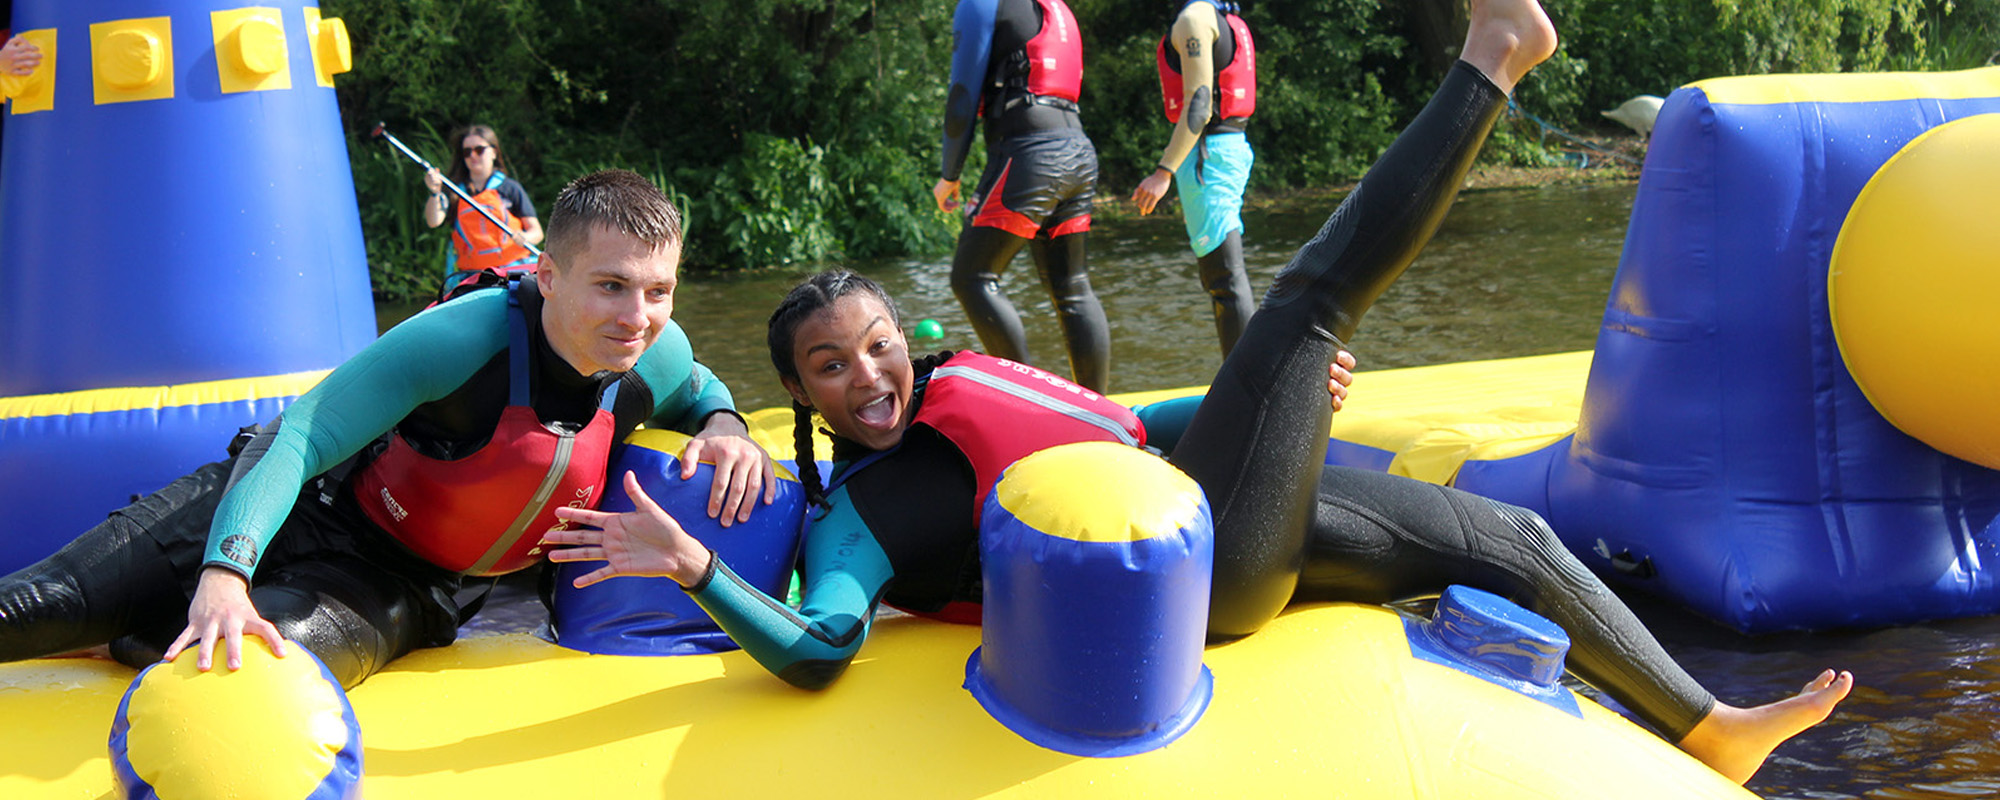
(807, 130)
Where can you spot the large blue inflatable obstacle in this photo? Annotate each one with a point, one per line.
(176, 213)
(1788, 417)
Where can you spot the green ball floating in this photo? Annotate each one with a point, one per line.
(929, 329)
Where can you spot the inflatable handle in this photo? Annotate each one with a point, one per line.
(1484, 635)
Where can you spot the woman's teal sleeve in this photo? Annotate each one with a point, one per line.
(423, 359)
(846, 571)
(1166, 420)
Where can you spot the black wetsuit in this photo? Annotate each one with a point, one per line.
(1041, 174)
(901, 528)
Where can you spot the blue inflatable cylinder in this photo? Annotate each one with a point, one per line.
(1482, 634)
(1096, 560)
(653, 616)
(182, 209)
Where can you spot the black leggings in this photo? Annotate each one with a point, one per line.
(1228, 286)
(983, 254)
(355, 604)
(1285, 532)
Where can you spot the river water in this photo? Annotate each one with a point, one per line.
(1513, 272)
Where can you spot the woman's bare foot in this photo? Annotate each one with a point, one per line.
(1507, 38)
(1735, 741)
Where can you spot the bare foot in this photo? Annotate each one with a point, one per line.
(1507, 38)
(1735, 741)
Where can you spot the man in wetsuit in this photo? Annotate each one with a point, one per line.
(1019, 63)
(1208, 83)
(441, 450)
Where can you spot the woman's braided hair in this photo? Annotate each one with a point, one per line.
(815, 294)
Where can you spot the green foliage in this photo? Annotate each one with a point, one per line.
(1653, 46)
(806, 130)
(405, 257)
(1323, 110)
(771, 203)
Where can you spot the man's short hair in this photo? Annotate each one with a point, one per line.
(615, 199)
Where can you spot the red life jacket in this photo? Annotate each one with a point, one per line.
(484, 514)
(997, 411)
(1235, 72)
(477, 243)
(1054, 55)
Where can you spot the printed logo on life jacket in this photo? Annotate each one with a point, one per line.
(582, 501)
(1048, 378)
(240, 549)
(394, 508)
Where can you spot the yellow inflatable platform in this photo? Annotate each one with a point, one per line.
(1326, 702)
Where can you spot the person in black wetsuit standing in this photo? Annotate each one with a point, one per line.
(1019, 64)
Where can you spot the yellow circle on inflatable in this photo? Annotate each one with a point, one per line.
(277, 729)
(672, 442)
(1914, 284)
(1099, 492)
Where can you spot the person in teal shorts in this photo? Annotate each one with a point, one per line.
(1208, 83)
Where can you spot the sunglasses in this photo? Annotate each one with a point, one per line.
(473, 151)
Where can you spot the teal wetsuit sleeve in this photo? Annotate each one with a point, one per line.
(421, 360)
(685, 392)
(846, 571)
(1166, 420)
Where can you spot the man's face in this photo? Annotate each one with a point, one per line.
(603, 306)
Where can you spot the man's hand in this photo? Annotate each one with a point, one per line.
(644, 542)
(222, 608)
(20, 57)
(742, 468)
(1339, 376)
(1152, 189)
(946, 193)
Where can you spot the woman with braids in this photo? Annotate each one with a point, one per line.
(915, 444)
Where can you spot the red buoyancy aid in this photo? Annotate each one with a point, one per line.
(997, 411)
(485, 514)
(478, 242)
(1055, 55)
(1235, 74)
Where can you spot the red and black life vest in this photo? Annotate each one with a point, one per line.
(478, 243)
(1235, 71)
(484, 514)
(997, 411)
(1050, 66)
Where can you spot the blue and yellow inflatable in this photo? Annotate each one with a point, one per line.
(179, 215)
(1787, 421)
